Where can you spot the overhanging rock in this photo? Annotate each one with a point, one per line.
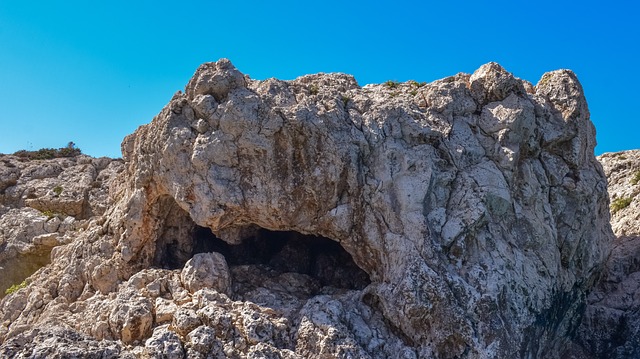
(473, 203)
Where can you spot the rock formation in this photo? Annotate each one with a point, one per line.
(46, 203)
(314, 218)
(611, 325)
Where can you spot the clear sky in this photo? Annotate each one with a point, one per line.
(93, 71)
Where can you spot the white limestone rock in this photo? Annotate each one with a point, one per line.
(474, 205)
(132, 320)
(164, 343)
(46, 203)
(206, 270)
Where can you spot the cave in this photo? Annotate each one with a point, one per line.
(321, 258)
(286, 251)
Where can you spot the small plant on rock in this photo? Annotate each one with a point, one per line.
(14, 288)
(544, 80)
(345, 100)
(391, 84)
(620, 203)
(57, 190)
(49, 213)
(636, 178)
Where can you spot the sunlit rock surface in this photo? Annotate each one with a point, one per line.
(465, 218)
(46, 203)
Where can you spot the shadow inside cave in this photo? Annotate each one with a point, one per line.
(320, 258)
(286, 251)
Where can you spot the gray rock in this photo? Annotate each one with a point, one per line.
(131, 318)
(206, 270)
(46, 203)
(164, 344)
(474, 205)
(611, 324)
(56, 342)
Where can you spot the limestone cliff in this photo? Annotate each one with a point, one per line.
(465, 218)
(611, 325)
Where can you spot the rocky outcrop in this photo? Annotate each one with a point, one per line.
(466, 218)
(46, 203)
(611, 325)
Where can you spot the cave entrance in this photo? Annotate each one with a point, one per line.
(321, 258)
(286, 251)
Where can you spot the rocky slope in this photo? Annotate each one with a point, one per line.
(46, 203)
(465, 218)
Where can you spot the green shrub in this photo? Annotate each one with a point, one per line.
(14, 288)
(391, 84)
(57, 190)
(48, 153)
(636, 178)
(68, 152)
(345, 100)
(44, 154)
(620, 203)
(50, 213)
(21, 153)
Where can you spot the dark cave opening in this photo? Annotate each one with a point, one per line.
(318, 257)
(287, 251)
(323, 259)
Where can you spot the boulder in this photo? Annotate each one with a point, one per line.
(206, 270)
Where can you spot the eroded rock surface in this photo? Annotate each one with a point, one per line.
(206, 270)
(47, 203)
(473, 205)
(611, 326)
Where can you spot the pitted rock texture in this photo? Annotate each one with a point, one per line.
(206, 270)
(474, 204)
(611, 325)
(74, 186)
(623, 174)
(46, 203)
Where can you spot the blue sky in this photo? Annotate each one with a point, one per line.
(92, 72)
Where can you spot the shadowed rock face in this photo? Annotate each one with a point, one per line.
(611, 324)
(474, 204)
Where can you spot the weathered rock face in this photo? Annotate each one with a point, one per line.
(46, 203)
(473, 204)
(611, 326)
